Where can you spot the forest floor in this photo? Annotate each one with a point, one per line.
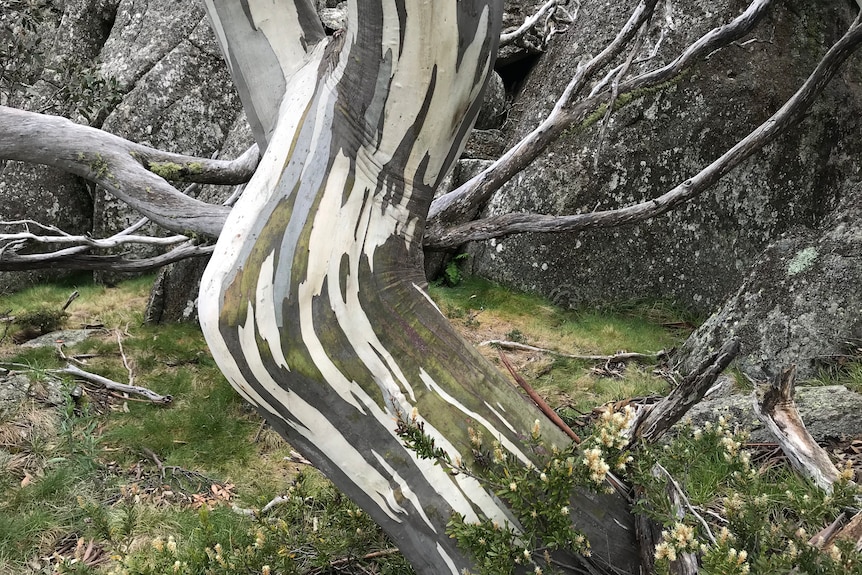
(94, 481)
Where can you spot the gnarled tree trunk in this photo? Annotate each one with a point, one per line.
(313, 303)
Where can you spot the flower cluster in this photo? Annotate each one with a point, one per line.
(606, 444)
(680, 539)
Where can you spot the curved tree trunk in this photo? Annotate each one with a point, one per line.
(313, 303)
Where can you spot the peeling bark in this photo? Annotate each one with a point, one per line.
(313, 303)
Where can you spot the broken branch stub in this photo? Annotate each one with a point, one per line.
(651, 424)
(778, 412)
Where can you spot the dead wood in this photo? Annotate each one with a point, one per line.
(540, 403)
(111, 385)
(778, 412)
(653, 422)
(617, 357)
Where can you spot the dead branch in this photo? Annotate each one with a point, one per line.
(620, 73)
(462, 204)
(540, 403)
(343, 562)
(789, 114)
(126, 362)
(778, 412)
(548, 11)
(653, 422)
(617, 357)
(111, 385)
(128, 171)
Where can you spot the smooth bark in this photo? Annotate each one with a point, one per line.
(313, 304)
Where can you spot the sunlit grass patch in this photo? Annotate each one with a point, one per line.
(483, 310)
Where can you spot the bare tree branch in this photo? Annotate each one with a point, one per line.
(547, 11)
(462, 204)
(111, 385)
(121, 167)
(789, 114)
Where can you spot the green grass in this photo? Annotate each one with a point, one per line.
(477, 304)
(87, 470)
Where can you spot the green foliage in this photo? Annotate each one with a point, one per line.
(44, 319)
(538, 496)
(761, 520)
(84, 472)
(452, 274)
(312, 529)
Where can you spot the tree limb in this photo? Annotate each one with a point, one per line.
(790, 113)
(547, 11)
(463, 203)
(120, 166)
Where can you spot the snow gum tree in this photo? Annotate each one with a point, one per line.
(313, 302)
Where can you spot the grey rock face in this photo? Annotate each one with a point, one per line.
(801, 302)
(828, 412)
(182, 99)
(13, 391)
(699, 253)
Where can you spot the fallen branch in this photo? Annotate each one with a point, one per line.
(349, 560)
(617, 357)
(652, 423)
(111, 385)
(778, 412)
(540, 403)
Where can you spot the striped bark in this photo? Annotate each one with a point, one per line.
(313, 303)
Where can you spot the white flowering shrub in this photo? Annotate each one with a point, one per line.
(538, 496)
(741, 519)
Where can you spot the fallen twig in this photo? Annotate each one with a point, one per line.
(111, 385)
(622, 356)
(684, 499)
(540, 403)
(348, 560)
(126, 363)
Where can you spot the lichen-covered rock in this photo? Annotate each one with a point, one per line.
(801, 301)
(699, 253)
(829, 412)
